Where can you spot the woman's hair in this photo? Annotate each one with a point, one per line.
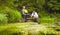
(23, 6)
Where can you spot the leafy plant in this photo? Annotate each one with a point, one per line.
(46, 20)
(14, 16)
(3, 19)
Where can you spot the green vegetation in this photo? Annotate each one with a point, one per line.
(12, 15)
(44, 8)
(27, 28)
(48, 21)
(3, 19)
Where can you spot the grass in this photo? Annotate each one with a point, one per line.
(28, 27)
(46, 20)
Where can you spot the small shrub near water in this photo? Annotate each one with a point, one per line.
(46, 20)
(13, 15)
(3, 19)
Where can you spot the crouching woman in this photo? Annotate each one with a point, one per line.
(34, 15)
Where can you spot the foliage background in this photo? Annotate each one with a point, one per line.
(45, 8)
(48, 11)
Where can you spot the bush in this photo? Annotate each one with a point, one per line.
(3, 19)
(14, 16)
(46, 20)
(4, 9)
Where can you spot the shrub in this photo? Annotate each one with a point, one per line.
(4, 9)
(3, 19)
(14, 16)
(46, 20)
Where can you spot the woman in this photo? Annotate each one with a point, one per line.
(35, 16)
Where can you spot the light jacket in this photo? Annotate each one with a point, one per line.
(34, 15)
